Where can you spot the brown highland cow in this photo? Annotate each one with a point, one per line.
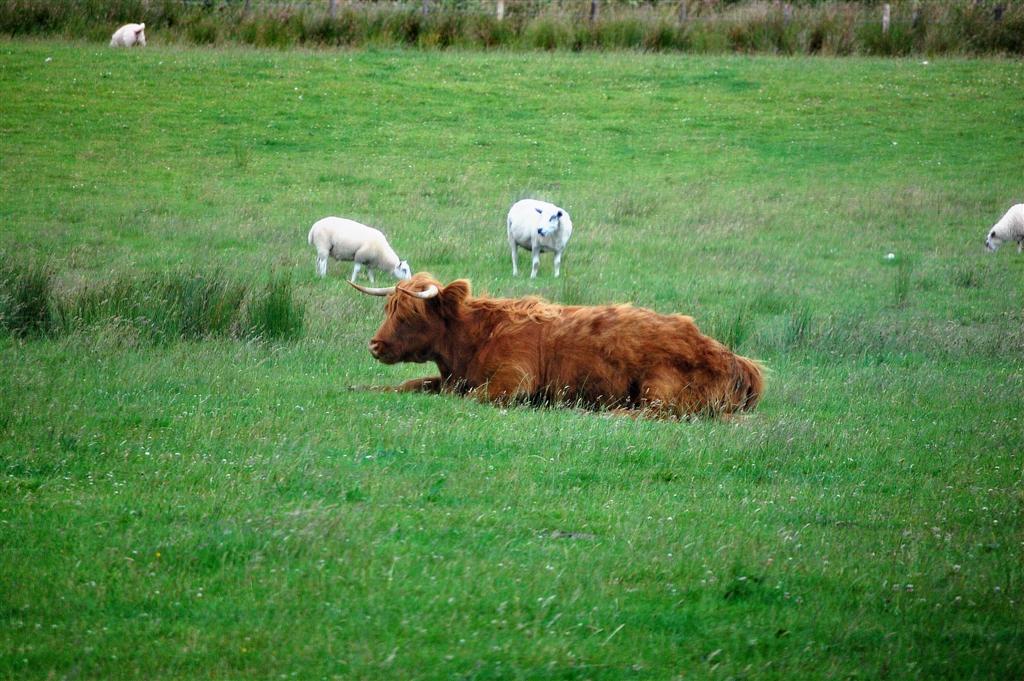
(608, 356)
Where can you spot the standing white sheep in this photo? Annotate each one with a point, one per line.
(129, 35)
(344, 239)
(537, 226)
(1009, 228)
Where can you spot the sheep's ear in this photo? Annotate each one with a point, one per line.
(539, 210)
(142, 27)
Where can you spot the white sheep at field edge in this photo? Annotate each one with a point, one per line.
(344, 239)
(129, 35)
(1009, 228)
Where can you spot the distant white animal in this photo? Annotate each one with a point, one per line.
(344, 239)
(1009, 228)
(537, 226)
(129, 35)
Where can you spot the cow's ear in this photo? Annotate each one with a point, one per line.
(453, 296)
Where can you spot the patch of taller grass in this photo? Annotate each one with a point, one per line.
(763, 28)
(730, 327)
(833, 28)
(155, 308)
(550, 33)
(347, 28)
(901, 281)
(831, 32)
(273, 312)
(25, 300)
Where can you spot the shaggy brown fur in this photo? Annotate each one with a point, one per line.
(607, 356)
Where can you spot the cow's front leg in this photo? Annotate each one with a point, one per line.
(428, 384)
(506, 386)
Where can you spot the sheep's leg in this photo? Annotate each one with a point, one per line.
(1020, 245)
(369, 273)
(536, 260)
(558, 262)
(321, 264)
(355, 270)
(515, 255)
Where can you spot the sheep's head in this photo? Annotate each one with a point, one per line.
(402, 271)
(550, 221)
(415, 318)
(140, 35)
(993, 240)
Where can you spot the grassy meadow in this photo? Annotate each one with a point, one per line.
(237, 505)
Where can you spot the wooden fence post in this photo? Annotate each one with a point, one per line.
(915, 17)
(426, 7)
(886, 13)
(682, 11)
(500, 11)
(332, 7)
(997, 13)
(593, 10)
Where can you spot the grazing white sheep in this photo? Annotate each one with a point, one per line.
(537, 226)
(1009, 228)
(129, 35)
(344, 239)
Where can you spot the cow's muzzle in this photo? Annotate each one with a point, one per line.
(382, 351)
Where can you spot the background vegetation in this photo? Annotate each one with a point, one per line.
(212, 500)
(830, 28)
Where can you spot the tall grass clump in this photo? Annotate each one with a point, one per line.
(486, 31)
(975, 28)
(763, 28)
(399, 27)
(731, 327)
(625, 33)
(161, 308)
(899, 40)
(664, 35)
(442, 30)
(26, 294)
(348, 28)
(832, 31)
(156, 308)
(550, 33)
(796, 328)
(901, 281)
(273, 312)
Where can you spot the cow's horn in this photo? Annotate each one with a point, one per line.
(429, 292)
(373, 291)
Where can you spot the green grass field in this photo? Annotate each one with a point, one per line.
(235, 509)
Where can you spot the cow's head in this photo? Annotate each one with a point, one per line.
(993, 241)
(416, 318)
(549, 220)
